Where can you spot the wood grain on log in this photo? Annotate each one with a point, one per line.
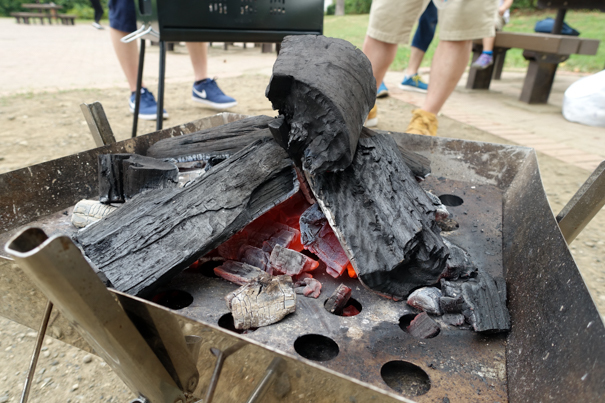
(262, 302)
(419, 164)
(206, 144)
(384, 220)
(157, 234)
(323, 89)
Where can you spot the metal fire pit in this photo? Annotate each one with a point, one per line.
(555, 350)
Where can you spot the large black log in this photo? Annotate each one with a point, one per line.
(221, 141)
(384, 220)
(323, 89)
(157, 234)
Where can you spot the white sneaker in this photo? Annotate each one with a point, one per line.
(97, 25)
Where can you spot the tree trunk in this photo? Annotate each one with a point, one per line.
(340, 7)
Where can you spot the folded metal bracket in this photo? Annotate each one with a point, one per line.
(98, 124)
(584, 205)
(58, 268)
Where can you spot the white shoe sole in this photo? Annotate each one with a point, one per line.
(214, 105)
(412, 89)
(371, 122)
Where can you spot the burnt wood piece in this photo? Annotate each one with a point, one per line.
(323, 89)
(393, 243)
(255, 257)
(122, 176)
(211, 145)
(156, 235)
(239, 273)
(318, 237)
(419, 164)
(338, 300)
(262, 302)
(310, 288)
(459, 263)
(454, 319)
(426, 299)
(423, 327)
(291, 262)
(484, 301)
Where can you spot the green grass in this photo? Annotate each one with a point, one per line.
(590, 24)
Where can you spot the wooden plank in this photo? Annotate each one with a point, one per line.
(547, 43)
(159, 233)
(589, 47)
(384, 220)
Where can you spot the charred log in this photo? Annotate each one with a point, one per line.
(320, 117)
(393, 241)
(213, 145)
(122, 176)
(262, 302)
(290, 262)
(419, 164)
(156, 235)
(426, 299)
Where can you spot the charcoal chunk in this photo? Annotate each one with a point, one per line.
(426, 299)
(290, 262)
(338, 300)
(423, 327)
(459, 263)
(239, 273)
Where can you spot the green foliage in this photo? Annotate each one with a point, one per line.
(524, 4)
(331, 10)
(353, 29)
(82, 8)
(357, 6)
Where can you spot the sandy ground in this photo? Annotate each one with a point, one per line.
(39, 127)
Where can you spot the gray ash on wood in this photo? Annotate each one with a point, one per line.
(393, 241)
(323, 89)
(158, 234)
(122, 176)
(262, 302)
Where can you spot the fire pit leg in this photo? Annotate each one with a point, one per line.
(137, 94)
(584, 205)
(273, 369)
(221, 356)
(36, 354)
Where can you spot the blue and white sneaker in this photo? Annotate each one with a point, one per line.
(207, 92)
(148, 108)
(413, 83)
(383, 91)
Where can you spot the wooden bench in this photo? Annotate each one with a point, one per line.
(26, 16)
(544, 53)
(67, 19)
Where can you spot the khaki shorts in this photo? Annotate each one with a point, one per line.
(392, 21)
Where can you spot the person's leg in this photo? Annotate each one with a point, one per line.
(205, 90)
(198, 52)
(96, 5)
(416, 56)
(381, 55)
(488, 43)
(449, 63)
(128, 56)
(422, 38)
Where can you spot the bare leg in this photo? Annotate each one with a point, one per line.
(416, 56)
(488, 43)
(381, 55)
(198, 52)
(449, 62)
(128, 56)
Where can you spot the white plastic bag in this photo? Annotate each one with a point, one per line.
(584, 101)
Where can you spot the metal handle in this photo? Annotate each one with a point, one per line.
(139, 33)
(584, 205)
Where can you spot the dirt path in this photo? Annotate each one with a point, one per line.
(37, 128)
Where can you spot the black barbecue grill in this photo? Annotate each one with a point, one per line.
(217, 21)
